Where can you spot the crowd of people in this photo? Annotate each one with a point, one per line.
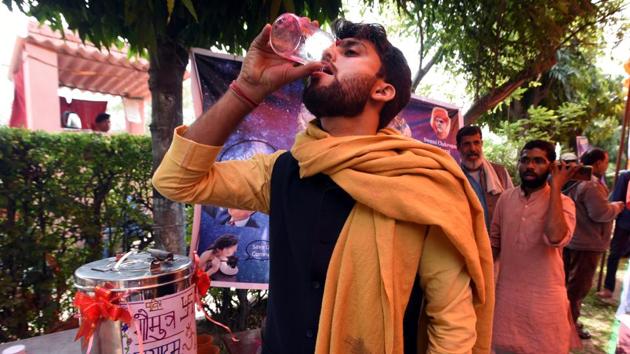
(548, 236)
(382, 244)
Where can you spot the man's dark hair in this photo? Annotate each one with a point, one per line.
(224, 241)
(394, 68)
(592, 156)
(101, 117)
(544, 145)
(468, 131)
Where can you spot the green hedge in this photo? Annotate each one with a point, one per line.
(60, 194)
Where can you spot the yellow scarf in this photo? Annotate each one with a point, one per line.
(397, 182)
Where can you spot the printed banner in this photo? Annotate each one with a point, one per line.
(236, 242)
(432, 123)
(166, 324)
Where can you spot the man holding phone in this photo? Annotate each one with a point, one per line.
(594, 216)
(531, 224)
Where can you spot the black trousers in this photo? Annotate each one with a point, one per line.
(579, 269)
(619, 246)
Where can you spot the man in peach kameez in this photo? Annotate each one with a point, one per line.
(530, 226)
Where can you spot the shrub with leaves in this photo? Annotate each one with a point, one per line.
(65, 200)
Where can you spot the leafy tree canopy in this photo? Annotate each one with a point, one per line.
(499, 45)
(574, 98)
(144, 23)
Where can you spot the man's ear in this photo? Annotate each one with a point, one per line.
(383, 92)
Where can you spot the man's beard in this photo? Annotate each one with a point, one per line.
(539, 181)
(340, 98)
(472, 165)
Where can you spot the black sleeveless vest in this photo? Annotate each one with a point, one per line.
(306, 217)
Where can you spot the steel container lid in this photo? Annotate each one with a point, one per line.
(139, 271)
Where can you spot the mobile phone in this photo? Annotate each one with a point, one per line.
(583, 174)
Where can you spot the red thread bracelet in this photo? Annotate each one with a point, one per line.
(240, 94)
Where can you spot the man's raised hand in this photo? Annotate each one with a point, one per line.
(264, 71)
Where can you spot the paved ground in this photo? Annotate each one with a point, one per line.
(59, 342)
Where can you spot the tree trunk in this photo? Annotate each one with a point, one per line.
(165, 81)
(497, 95)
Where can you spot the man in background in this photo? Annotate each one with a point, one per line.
(620, 243)
(102, 123)
(488, 179)
(531, 224)
(594, 216)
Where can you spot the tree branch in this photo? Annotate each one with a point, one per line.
(422, 71)
(581, 28)
(497, 95)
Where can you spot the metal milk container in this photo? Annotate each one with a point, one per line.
(156, 288)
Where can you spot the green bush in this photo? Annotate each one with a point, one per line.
(65, 200)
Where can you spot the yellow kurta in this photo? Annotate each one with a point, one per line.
(415, 213)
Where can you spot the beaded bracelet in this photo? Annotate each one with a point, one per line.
(242, 96)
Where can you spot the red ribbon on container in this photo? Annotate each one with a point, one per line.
(93, 309)
(103, 305)
(202, 282)
(200, 279)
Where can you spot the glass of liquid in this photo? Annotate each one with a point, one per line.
(298, 39)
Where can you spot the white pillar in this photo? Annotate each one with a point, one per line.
(134, 115)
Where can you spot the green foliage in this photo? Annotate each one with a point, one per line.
(413, 19)
(515, 96)
(60, 194)
(492, 42)
(239, 309)
(144, 24)
(542, 123)
(497, 46)
(552, 125)
(504, 153)
(606, 133)
(574, 98)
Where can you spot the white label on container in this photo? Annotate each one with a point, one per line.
(166, 325)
